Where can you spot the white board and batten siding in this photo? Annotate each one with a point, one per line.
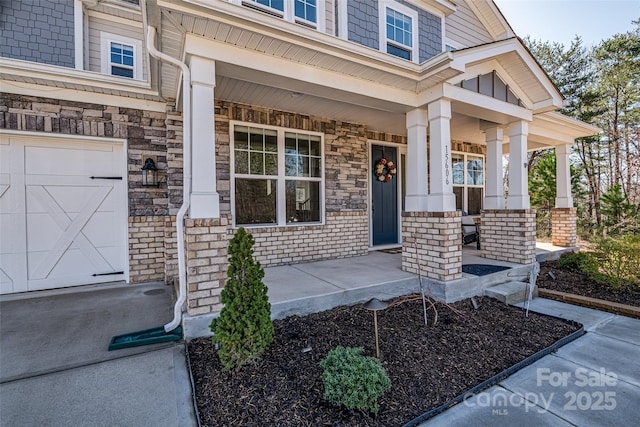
(58, 226)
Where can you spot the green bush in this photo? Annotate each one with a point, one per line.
(352, 380)
(619, 259)
(244, 329)
(582, 262)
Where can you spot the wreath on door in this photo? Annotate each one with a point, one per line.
(385, 170)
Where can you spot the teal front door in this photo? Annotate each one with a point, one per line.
(384, 197)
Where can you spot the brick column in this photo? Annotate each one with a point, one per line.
(563, 227)
(509, 235)
(431, 244)
(206, 248)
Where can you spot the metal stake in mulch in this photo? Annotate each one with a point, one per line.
(374, 304)
(535, 270)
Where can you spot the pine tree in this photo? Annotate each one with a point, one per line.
(244, 329)
(615, 206)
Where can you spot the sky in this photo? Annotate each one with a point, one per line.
(560, 20)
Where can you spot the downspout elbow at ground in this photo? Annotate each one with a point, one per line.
(186, 189)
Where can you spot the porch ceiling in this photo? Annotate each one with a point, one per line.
(265, 61)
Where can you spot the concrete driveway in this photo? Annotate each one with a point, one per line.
(56, 370)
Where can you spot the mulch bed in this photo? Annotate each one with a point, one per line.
(428, 366)
(580, 284)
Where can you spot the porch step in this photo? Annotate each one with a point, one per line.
(510, 293)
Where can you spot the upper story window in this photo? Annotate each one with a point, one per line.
(121, 56)
(305, 12)
(121, 59)
(399, 30)
(277, 176)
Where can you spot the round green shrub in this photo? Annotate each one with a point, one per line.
(353, 381)
(582, 262)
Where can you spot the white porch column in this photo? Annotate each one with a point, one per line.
(441, 197)
(494, 187)
(205, 201)
(518, 179)
(417, 184)
(564, 199)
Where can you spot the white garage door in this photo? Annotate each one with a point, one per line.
(63, 213)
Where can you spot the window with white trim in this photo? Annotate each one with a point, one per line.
(277, 176)
(468, 182)
(305, 12)
(399, 30)
(121, 56)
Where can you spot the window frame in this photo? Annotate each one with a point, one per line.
(465, 185)
(288, 12)
(414, 50)
(281, 178)
(105, 53)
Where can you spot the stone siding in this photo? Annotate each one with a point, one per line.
(509, 235)
(432, 245)
(563, 227)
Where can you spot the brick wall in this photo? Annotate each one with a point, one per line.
(206, 247)
(509, 235)
(431, 244)
(563, 227)
(146, 248)
(345, 234)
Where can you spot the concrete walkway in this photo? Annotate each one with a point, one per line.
(592, 381)
(56, 370)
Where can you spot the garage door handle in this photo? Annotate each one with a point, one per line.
(107, 274)
(106, 177)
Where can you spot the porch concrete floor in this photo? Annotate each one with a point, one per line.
(316, 286)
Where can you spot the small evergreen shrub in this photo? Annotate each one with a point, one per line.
(244, 329)
(582, 262)
(352, 380)
(619, 259)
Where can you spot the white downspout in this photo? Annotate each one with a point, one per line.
(186, 168)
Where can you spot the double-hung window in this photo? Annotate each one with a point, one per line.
(121, 56)
(303, 12)
(399, 30)
(468, 182)
(277, 176)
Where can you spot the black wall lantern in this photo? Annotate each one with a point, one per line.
(150, 173)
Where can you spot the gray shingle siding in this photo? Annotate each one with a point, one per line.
(363, 22)
(430, 36)
(38, 31)
(364, 27)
